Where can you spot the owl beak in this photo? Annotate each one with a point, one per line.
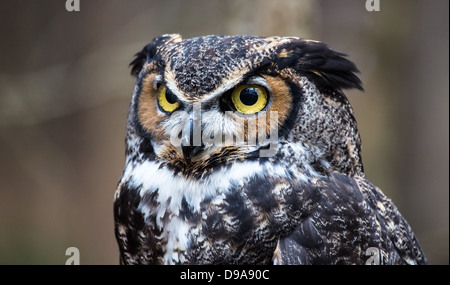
(190, 151)
(191, 140)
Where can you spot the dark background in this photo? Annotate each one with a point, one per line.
(65, 89)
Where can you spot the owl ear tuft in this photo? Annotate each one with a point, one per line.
(326, 67)
(148, 53)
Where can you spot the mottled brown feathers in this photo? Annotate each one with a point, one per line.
(223, 202)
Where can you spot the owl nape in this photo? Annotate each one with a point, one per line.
(184, 199)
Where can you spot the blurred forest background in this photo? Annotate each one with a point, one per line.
(65, 90)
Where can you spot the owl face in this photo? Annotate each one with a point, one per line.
(207, 102)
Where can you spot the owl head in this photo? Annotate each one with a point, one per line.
(207, 102)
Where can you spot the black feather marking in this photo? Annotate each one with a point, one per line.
(237, 209)
(214, 226)
(146, 148)
(147, 54)
(293, 253)
(291, 120)
(307, 234)
(125, 214)
(187, 213)
(328, 68)
(260, 192)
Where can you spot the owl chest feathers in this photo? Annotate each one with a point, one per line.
(217, 219)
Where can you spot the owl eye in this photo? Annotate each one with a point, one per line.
(167, 100)
(249, 99)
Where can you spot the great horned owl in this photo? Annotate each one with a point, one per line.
(204, 183)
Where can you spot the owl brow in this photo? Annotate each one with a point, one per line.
(224, 87)
(254, 79)
(170, 81)
(257, 80)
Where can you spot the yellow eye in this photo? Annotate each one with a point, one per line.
(249, 99)
(167, 100)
